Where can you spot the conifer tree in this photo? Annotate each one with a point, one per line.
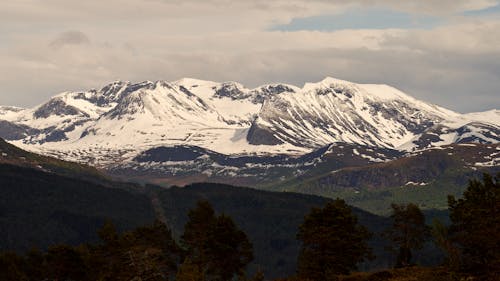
(476, 225)
(201, 221)
(228, 249)
(189, 272)
(65, 263)
(215, 244)
(408, 231)
(332, 242)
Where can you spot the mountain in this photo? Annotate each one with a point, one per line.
(192, 130)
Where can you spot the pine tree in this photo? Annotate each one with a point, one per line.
(476, 225)
(228, 249)
(194, 239)
(408, 231)
(258, 276)
(65, 263)
(441, 236)
(332, 242)
(148, 253)
(189, 272)
(215, 244)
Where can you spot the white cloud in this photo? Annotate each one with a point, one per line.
(227, 40)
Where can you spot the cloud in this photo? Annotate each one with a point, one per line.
(230, 40)
(424, 63)
(70, 38)
(463, 38)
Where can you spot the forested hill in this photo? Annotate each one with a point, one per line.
(39, 208)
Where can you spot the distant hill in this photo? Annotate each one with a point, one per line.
(426, 177)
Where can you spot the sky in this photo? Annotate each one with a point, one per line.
(445, 52)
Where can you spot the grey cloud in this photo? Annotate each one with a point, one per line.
(70, 38)
(455, 66)
(458, 82)
(463, 38)
(140, 10)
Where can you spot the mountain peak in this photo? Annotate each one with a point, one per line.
(188, 81)
(230, 118)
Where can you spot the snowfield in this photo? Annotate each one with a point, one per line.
(115, 123)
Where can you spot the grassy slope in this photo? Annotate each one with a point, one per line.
(376, 186)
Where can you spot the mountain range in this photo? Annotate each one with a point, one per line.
(192, 130)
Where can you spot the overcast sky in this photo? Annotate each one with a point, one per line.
(445, 52)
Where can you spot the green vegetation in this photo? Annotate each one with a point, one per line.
(332, 242)
(430, 196)
(475, 227)
(216, 247)
(39, 209)
(425, 179)
(13, 155)
(58, 211)
(271, 220)
(215, 250)
(145, 253)
(408, 231)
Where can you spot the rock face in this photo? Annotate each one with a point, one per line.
(260, 135)
(12, 131)
(113, 126)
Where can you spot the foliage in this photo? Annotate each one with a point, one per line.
(188, 271)
(408, 231)
(146, 253)
(332, 242)
(476, 225)
(215, 244)
(258, 276)
(441, 238)
(64, 262)
(195, 237)
(41, 209)
(270, 219)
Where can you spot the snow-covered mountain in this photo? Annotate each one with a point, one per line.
(118, 123)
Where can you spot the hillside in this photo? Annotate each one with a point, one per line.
(425, 178)
(38, 209)
(12, 155)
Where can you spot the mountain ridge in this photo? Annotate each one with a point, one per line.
(112, 127)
